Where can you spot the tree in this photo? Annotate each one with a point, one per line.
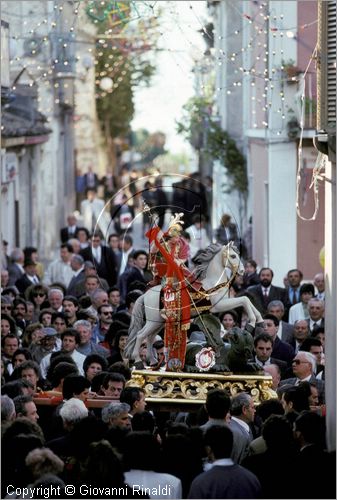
(123, 56)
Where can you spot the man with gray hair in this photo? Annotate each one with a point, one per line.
(72, 412)
(304, 368)
(55, 298)
(242, 415)
(87, 346)
(99, 297)
(285, 331)
(77, 265)
(320, 286)
(7, 409)
(116, 415)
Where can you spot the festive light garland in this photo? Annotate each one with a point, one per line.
(258, 21)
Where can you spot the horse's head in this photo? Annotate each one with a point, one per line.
(231, 259)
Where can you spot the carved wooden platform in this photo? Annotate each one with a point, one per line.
(186, 388)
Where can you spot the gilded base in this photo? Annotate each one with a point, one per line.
(172, 387)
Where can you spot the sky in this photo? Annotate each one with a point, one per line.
(159, 106)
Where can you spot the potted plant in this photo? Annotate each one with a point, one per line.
(290, 70)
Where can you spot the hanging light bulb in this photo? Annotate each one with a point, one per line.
(106, 83)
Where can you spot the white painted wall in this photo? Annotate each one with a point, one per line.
(282, 208)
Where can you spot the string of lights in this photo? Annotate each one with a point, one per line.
(258, 22)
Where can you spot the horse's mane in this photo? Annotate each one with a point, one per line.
(203, 259)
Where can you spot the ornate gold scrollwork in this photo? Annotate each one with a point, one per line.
(170, 387)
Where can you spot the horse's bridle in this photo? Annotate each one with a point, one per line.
(226, 284)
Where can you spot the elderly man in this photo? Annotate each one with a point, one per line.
(316, 314)
(304, 368)
(55, 298)
(242, 414)
(99, 297)
(285, 330)
(320, 286)
(275, 373)
(60, 270)
(87, 346)
(116, 415)
(301, 332)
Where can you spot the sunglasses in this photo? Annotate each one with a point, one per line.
(298, 361)
(39, 294)
(107, 312)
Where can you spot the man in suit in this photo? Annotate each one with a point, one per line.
(77, 265)
(301, 332)
(263, 346)
(223, 478)
(29, 277)
(316, 313)
(70, 230)
(320, 286)
(304, 369)
(135, 273)
(15, 269)
(265, 292)
(217, 407)
(103, 259)
(281, 350)
(242, 415)
(126, 244)
(114, 244)
(295, 277)
(285, 331)
(90, 179)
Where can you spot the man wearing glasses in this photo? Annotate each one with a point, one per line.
(304, 369)
(105, 312)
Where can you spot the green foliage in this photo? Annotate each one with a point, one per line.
(125, 59)
(205, 134)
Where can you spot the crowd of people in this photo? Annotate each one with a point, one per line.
(64, 328)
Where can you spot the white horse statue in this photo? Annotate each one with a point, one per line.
(216, 269)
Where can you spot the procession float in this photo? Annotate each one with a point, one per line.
(178, 297)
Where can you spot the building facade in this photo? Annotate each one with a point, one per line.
(262, 54)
